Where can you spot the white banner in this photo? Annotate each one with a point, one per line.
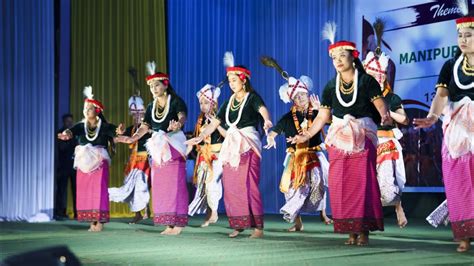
(419, 37)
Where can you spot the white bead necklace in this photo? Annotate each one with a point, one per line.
(354, 95)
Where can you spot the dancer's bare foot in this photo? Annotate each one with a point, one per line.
(464, 245)
(92, 227)
(325, 218)
(352, 239)
(138, 217)
(235, 233)
(214, 217)
(401, 218)
(175, 231)
(205, 224)
(99, 227)
(295, 228)
(363, 239)
(298, 226)
(257, 233)
(211, 218)
(167, 231)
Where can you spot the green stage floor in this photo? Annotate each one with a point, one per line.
(123, 244)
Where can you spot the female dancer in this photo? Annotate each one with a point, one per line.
(354, 101)
(92, 162)
(456, 84)
(165, 116)
(241, 150)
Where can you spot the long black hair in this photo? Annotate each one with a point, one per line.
(358, 65)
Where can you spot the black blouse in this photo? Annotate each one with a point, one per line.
(106, 133)
(287, 126)
(250, 115)
(446, 79)
(368, 91)
(177, 106)
(394, 103)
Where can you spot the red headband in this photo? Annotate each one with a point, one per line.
(464, 22)
(240, 71)
(159, 76)
(96, 103)
(346, 45)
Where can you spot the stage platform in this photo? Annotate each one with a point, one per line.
(141, 244)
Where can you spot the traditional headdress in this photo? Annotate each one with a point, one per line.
(151, 66)
(375, 64)
(466, 21)
(293, 86)
(232, 69)
(136, 105)
(99, 107)
(329, 33)
(209, 92)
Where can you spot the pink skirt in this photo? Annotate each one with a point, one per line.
(458, 175)
(169, 191)
(242, 199)
(92, 195)
(353, 191)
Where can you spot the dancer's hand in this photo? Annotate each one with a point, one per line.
(315, 103)
(64, 136)
(386, 120)
(123, 139)
(270, 142)
(120, 130)
(174, 126)
(430, 120)
(194, 141)
(210, 116)
(267, 124)
(298, 139)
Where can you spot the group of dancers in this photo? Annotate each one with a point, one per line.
(359, 160)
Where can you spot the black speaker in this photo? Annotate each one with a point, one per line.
(57, 256)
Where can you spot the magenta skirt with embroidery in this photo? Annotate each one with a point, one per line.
(169, 191)
(243, 202)
(354, 191)
(92, 195)
(458, 175)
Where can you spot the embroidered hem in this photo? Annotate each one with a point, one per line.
(247, 221)
(357, 225)
(173, 219)
(93, 216)
(463, 229)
